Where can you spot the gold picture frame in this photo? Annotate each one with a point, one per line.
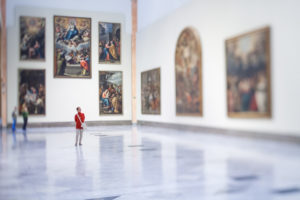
(248, 75)
(188, 74)
(110, 32)
(151, 92)
(72, 47)
(32, 91)
(32, 34)
(110, 93)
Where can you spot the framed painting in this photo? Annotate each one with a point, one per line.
(188, 74)
(110, 92)
(150, 91)
(32, 38)
(109, 43)
(248, 75)
(72, 47)
(32, 91)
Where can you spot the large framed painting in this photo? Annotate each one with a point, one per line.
(32, 91)
(110, 92)
(248, 74)
(72, 47)
(150, 91)
(32, 38)
(188, 73)
(109, 43)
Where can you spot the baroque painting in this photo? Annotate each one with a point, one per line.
(32, 91)
(188, 66)
(248, 74)
(109, 43)
(110, 92)
(32, 38)
(72, 47)
(150, 91)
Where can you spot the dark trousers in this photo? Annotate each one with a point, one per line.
(25, 122)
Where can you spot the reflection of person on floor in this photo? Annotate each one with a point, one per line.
(14, 117)
(79, 119)
(25, 116)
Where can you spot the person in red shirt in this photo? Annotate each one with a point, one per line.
(79, 119)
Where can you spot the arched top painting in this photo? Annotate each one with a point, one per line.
(188, 66)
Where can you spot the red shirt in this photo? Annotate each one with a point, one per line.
(78, 123)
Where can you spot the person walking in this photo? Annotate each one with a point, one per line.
(14, 117)
(25, 116)
(79, 119)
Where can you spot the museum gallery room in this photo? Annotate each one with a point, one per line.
(149, 100)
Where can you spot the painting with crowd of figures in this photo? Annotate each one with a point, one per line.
(32, 38)
(150, 91)
(188, 74)
(110, 92)
(32, 93)
(109, 43)
(248, 74)
(72, 47)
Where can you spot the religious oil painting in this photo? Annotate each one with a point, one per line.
(32, 92)
(248, 75)
(72, 47)
(188, 66)
(110, 92)
(109, 43)
(32, 38)
(150, 91)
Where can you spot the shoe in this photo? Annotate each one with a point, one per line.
(80, 144)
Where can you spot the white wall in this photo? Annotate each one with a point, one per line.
(153, 10)
(63, 95)
(106, 6)
(216, 21)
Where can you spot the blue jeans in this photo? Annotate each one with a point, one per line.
(14, 125)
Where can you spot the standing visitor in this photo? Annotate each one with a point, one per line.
(79, 119)
(14, 117)
(25, 116)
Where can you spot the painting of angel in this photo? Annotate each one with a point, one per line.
(32, 38)
(72, 47)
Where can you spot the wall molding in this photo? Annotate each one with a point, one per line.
(282, 137)
(72, 124)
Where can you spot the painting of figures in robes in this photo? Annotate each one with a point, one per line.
(109, 43)
(72, 47)
(110, 92)
(150, 91)
(32, 38)
(248, 75)
(188, 66)
(32, 93)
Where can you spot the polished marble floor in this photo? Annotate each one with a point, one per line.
(139, 163)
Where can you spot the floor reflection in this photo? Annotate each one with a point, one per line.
(132, 162)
